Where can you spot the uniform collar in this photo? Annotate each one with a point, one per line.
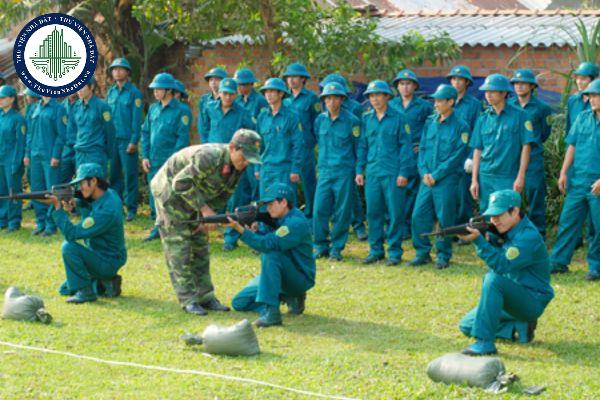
(125, 87)
(302, 92)
(340, 116)
(517, 228)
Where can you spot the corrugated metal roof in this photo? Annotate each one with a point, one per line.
(6, 61)
(541, 29)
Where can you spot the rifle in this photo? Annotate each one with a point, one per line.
(62, 192)
(245, 215)
(478, 223)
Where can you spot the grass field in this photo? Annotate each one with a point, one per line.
(368, 331)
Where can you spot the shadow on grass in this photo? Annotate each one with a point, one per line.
(576, 353)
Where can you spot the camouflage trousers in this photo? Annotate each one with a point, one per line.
(187, 255)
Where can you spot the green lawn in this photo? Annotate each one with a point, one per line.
(368, 331)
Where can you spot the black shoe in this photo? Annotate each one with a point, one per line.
(296, 304)
(418, 261)
(531, 330)
(215, 305)
(321, 254)
(392, 261)
(559, 269)
(335, 256)
(48, 233)
(442, 264)
(111, 287)
(37, 231)
(195, 308)
(372, 259)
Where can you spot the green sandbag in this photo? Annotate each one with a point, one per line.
(236, 340)
(460, 369)
(22, 307)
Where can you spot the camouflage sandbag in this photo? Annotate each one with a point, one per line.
(22, 307)
(236, 340)
(460, 369)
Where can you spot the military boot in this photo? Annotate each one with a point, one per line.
(481, 348)
(83, 296)
(112, 287)
(271, 316)
(295, 304)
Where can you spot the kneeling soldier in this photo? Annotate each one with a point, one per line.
(518, 283)
(287, 266)
(101, 230)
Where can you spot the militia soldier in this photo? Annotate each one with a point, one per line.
(307, 106)
(538, 112)
(385, 155)
(166, 130)
(196, 181)
(42, 155)
(416, 111)
(125, 101)
(283, 142)
(518, 282)
(13, 131)
(338, 131)
(441, 156)
(214, 78)
(287, 267)
(585, 73)
(67, 161)
(92, 120)
(501, 141)
(102, 232)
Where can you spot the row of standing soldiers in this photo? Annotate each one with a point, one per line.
(417, 165)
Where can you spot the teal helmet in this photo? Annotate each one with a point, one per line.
(275, 84)
(244, 76)
(524, 75)
(593, 88)
(228, 85)
(501, 201)
(335, 78)
(180, 87)
(296, 69)
(7, 91)
(334, 89)
(120, 62)
(279, 191)
(588, 69)
(406, 74)
(163, 80)
(460, 71)
(378, 86)
(445, 92)
(31, 93)
(216, 72)
(88, 170)
(496, 82)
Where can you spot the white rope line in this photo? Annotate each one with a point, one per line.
(175, 370)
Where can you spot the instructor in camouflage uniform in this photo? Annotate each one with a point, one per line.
(193, 182)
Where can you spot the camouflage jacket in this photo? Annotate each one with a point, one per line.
(193, 177)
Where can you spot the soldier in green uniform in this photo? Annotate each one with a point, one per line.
(196, 181)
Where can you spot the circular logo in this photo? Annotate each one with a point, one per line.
(55, 55)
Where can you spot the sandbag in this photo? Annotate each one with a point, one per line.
(22, 307)
(236, 340)
(460, 369)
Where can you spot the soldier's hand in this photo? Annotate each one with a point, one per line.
(54, 162)
(131, 148)
(596, 187)
(201, 228)
(562, 183)
(474, 190)
(257, 175)
(26, 161)
(428, 180)
(360, 180)
(51, 200)
(474, 234)
(68, 205)
(294, 178)
(235, 225)
(254, 227)
(519, 184)
(401, 181)
(146, 165)
(415, 148)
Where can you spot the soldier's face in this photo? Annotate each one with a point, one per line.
(6, 102)
(213, 84)
(333, 103)
(495, 97)
(245, 89)
(460, 84)
(227, 98)
(505, 222)
(87, 187)
(406, 88)
(277, 208)
(595, 102)
(159, 94)
(273, 97)
(31, 99)
(119, 73)
(237, 158)
(379, 100)
(295, 82)
(85, 92)
(582, 81)
(443, 106)
(523, 88)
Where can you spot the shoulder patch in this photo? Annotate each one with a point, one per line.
(317, 107)
(512, 253)
(356, 131)
(300, 127)
(23, 129)
(407, 128)
(282, 231)
(88, 223)
(106, 115)
(185, 120)
(138, 102)
(528, 125)
(464, 137)
(65, 119)
(549, 119)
